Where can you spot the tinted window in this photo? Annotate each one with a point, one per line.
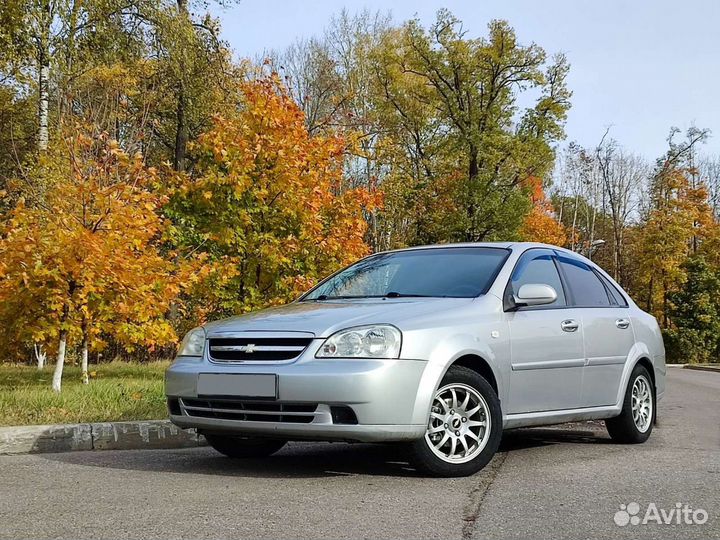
(538, 267)
(586, 288)
(445, 272)
(615, 296)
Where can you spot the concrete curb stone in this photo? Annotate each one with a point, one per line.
(144, 434)
(700, 367)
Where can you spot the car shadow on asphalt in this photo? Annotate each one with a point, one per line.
(522, 438)
(307, 460)
(296, 460)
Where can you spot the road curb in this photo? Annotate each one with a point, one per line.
(139, 435)
(702, 368)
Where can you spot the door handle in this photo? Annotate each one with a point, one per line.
(569, 325)
(622, 323)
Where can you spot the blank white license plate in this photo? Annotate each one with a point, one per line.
(237, 385)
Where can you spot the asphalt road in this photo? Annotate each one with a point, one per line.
(561, 482)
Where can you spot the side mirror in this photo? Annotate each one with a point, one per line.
(535, 294)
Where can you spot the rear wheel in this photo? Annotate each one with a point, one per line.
(635, 422)
(244, 447)
(464, 428)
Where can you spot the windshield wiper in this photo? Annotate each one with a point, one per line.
(391, 294)
(326, 297)
(394, 294)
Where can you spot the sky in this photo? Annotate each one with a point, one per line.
(637, 66)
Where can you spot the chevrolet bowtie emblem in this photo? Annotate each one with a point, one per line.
(250, 348)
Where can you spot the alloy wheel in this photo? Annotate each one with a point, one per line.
(642, 405)
(460, 423)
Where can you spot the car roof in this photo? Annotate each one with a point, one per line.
(515, 246)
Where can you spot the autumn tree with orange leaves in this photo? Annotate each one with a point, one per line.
(541, 225)
(79, 255)
(265, 203)
(678, 225)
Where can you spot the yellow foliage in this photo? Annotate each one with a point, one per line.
(87, 249)
(268, 198)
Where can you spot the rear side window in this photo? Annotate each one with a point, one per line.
(615, 296)
(538, 267)
(585, 286)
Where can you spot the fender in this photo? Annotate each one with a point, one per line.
(444, 355)
(639, 350)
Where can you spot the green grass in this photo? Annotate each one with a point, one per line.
(117, 391)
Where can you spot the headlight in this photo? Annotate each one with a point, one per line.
(193, 343)
(376, 341)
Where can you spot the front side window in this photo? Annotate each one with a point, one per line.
(585, 287)
(437, 272)
(538, 267)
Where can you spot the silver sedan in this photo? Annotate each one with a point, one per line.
(440, 347)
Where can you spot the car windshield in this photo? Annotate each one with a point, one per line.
(438, 272)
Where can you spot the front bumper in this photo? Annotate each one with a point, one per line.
(383, 394)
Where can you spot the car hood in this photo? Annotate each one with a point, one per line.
(324, 318)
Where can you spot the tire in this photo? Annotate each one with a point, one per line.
(244, 447)
(624, 428)
(441, 452)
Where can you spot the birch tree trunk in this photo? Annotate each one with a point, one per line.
(84, 353)
(40, 356)
(43, 107)
(43, 60)
(60, 363)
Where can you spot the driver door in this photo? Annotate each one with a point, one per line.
(546, 342)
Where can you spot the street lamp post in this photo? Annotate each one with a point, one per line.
(591, 248)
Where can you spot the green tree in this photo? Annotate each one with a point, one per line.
(29, 39)
(452, 104)
(436, 118)
(187, 54)
(695, 314)
(47, 43)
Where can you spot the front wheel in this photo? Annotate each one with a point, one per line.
(244, 447)
(635, 422)
(464, 428)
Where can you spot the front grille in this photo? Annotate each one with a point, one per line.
(256, 349)
(250, 411)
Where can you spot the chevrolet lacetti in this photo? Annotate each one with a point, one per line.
(439, 347)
